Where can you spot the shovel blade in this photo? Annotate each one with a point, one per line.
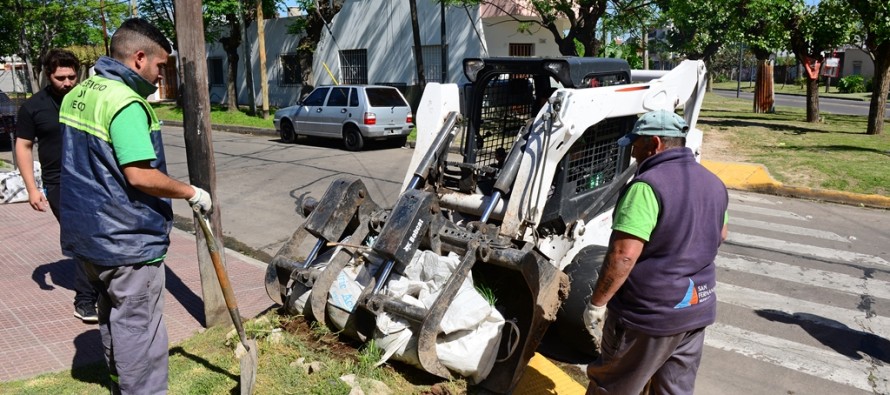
(248, 368)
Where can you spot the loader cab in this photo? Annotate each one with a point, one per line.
(505, 94)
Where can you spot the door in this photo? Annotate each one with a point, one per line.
(308, 118)
(335, 111)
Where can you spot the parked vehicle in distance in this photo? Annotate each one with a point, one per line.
(354, 113)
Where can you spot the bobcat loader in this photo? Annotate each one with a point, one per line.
(508, 200)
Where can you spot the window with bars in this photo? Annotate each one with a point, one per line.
(354, 66)
(432, 63)
(522, 49)
(290, 72)
(216, 72)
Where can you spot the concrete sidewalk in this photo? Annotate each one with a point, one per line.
(38, 332)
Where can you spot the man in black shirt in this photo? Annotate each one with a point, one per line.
(38, 119)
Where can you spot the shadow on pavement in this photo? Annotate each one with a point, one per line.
(841, 338)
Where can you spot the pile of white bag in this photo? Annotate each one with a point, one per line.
(470, 329)
(12, 186)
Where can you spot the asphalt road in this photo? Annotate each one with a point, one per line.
(261, 181)
(826, 104)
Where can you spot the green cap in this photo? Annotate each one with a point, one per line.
(662, 123)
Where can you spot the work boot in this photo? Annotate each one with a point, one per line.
(86, 312)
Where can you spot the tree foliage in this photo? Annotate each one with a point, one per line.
(222, 23)
(815, 30)
(30, 28)
(311, 27)
(699, 29)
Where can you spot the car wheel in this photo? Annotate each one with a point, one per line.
(399, 141)
(569, 325)
(288, 134)
(352, 138)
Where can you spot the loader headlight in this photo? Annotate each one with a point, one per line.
(472, 68)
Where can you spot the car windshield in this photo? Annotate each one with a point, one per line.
(385, 97)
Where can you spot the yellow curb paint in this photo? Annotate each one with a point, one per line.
(755, 177)
(543, 377)
(740, 175)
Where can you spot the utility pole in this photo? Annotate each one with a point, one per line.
(199, 146)
(261, 41)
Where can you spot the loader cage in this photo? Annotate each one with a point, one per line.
(504, 94)
(585, 175)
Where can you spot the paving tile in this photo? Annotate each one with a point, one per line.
(37, 327)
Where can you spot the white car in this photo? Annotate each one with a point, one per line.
(354, 113)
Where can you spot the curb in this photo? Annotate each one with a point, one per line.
(232, 128)
(802, 95)
(848, 198)
(756, 178)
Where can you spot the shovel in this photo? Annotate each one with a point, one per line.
(249, 359)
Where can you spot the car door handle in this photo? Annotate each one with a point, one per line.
(318, 109)
(343, 111)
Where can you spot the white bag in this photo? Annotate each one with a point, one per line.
(12, 185)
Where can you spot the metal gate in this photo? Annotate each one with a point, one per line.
(354, 67)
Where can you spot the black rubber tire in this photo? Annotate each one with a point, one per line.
(288, 134)
(569, 325)
(399, 142)
(352, 138)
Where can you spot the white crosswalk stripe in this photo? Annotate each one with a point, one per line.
(789, 229)
(802, 310)
(801, 275)
(814, 361)
(765, 211)
(784, 266)
(793, 248)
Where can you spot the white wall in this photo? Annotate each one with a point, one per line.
(857, 55)
(278, 42)
(383, 27)
(8, 83)
(502, 31)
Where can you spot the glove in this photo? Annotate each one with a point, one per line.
(594, 320)
(201, 199)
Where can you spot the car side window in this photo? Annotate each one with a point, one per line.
(339, 97)
(316, 98)
(353, 97)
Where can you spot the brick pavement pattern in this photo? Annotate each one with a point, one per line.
(38, 331)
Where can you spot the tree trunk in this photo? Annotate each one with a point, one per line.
(880, 88)
(230, 45)
(812, 99)
(25, 53)
(764, 98)
(305, 59)
(418, 50)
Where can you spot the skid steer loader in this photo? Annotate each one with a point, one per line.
(507, 200)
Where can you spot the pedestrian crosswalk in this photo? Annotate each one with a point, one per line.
(804, 297)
